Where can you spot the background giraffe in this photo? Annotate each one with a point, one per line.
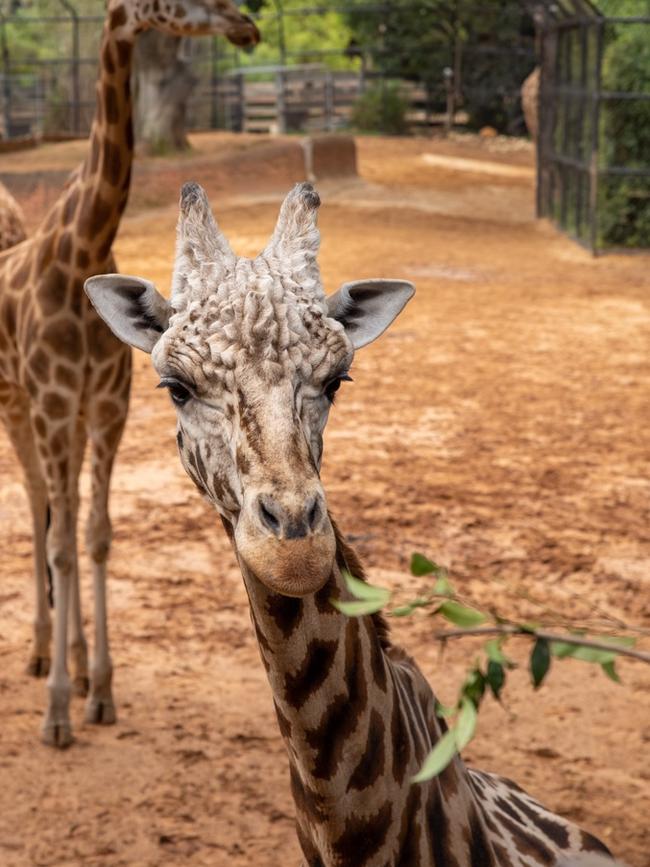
(63, 376)
(252, 353)
(12, 222)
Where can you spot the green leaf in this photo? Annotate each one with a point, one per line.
(496, 677)
(421, 565)
(561, 649)
(362, 590)
(494, 652)
(445, 711)
(357, 608)
(474, 686)
(402, 611)
(438, 759)
(443, 587)
(465, 724)
(610, 670)
(540, 661)
(461, 615)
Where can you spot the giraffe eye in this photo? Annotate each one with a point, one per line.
(178, 392)
(334, 384)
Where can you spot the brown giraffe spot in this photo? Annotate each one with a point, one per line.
(39, 364)
(117, 17)
(39, 425)
(83, 259)
(551, 828)
(104, 250)
(307, 802)
(58, 443)
(371, 764)
(179, 11)
(401, 741)
(101, 341)
(112, 162)
(64, 250)
(286, 611)
(322, 598)
(95, 213)
(377, 660)
(283, 723)
(8, 314)
(31, 385)
(408, 842)
(124, 51)
(104, 413)
(340, 718)
(503, 858)
(438, 826)
(113, 434)
(310, 852)
(77, 296)
(363, 837)
(592, 844)
(64, 336)
(312, 674)
(122, 369)
(107, 59)
(480, 850)
(70, 206)
(111, 105)
(527, 843)
(51, 291)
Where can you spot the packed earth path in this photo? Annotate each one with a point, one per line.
(500, 427)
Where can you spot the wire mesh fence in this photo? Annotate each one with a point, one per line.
(594, 169)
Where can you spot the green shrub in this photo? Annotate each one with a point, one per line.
(625, 136)
(381, 108)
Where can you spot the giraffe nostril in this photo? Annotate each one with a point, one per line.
(313, 515)
(268, 515)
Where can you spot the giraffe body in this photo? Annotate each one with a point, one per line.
(252, 352)
(12, 221)
(64, 378)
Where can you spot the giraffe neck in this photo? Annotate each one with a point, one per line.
(97, 193)
(358, 719)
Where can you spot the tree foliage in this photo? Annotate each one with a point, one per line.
(487, 675)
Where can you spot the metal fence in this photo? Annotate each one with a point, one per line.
(594, 145)
(53, 94)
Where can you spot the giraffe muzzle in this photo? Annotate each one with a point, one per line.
(290, 548)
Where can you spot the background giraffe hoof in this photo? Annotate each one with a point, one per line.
(100, 711)
(38, 666)
(57, 735)
(81, 685)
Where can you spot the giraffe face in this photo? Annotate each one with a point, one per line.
(252, 353)
(192, 18)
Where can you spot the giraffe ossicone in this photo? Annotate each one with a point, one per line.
(252, 352)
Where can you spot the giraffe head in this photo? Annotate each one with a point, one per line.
(186, 18)
(252, 353)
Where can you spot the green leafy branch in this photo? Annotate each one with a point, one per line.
(487, 675)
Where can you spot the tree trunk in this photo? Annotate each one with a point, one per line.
(163, 82)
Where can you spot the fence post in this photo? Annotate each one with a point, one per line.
(214, 84)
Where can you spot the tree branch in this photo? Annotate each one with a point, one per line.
(577, 640)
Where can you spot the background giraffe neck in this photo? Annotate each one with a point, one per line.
(97, 192)
(358, 719)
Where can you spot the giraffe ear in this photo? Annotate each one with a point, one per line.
(133, 308)
(367, 307)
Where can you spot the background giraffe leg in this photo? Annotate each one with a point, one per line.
(100, 707)
(20, 433)
(55, 445)
(76, 639)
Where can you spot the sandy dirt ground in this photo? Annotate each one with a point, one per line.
(501, 427)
